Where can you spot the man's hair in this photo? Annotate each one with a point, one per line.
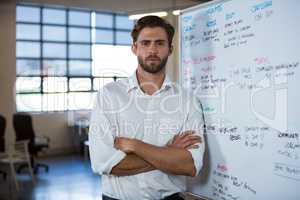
(152, 22)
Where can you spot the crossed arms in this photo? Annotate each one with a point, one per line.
(173, 158)
(121, 156)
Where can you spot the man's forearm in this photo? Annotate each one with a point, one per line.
(168, 159)
(174, 158)
(131, 165)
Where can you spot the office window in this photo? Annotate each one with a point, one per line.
(54, 16)
(122, 22)
(52, 67)
(79, 35)
(27, 67)
(28, 84)
(55, 84)
(104, 36)
(64, 56)
(79, 68)
(104, 20)
(54, 33)
(28, 49)
(28, 32)
(28, 14)
(80, 18)
(113, 60)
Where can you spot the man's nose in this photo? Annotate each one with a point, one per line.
(153, 48)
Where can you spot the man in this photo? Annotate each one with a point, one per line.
(145, 131)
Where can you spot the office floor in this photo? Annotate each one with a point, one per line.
(69, 178)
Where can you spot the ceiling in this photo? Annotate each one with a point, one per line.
(127, 6)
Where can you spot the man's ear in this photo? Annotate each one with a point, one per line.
(171, 49)
(133, 48)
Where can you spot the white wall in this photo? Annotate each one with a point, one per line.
(7, 63)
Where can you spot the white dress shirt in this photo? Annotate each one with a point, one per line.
(122, 109)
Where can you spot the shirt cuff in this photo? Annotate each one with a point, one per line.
(197, 155)
(114, 160)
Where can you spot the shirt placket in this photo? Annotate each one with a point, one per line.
(149, 135)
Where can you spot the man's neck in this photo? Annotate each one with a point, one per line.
(148, 82)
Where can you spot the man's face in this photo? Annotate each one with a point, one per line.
(152, 49)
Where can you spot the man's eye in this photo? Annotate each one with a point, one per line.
(160, 43)
(145, 43)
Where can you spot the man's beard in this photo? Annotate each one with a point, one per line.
(153, 68)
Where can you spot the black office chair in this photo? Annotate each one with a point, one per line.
(24, 131)
(2, 140)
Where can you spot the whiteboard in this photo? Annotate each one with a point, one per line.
(241, 58)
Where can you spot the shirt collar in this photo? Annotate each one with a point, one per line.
(133, 82)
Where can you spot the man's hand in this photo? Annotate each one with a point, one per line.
(126, 145)
(186, 140)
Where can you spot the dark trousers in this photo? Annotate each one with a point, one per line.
(175, 196)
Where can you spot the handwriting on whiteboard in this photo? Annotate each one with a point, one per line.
(287, 171)
(226, 185)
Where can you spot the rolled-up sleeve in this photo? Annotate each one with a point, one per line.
(195, 121)
(102, 132)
